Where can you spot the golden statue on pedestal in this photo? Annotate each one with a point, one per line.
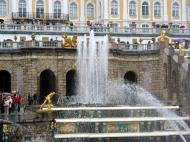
(68, 42)
(163, 35)
(181, 50)
(48, 101)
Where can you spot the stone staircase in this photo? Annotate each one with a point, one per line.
(117, 124)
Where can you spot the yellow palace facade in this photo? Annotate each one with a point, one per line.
(121, 13)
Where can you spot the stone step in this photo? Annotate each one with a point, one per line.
(115, 135)
(113, 108)
(132, 119)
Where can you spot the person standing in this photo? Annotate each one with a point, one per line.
(10, 104)
(6, 105)
(30, 99)
(35, 99)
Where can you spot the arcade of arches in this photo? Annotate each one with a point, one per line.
(43, 71)
(48, 82)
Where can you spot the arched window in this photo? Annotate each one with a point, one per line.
(40, 9)
(132, 8)
(145, 9)
(22, 8)
(175, 9)
(57, 9)
(73, 10)
(90, 10)
(157, 9)
(114, 8)
(3, 8)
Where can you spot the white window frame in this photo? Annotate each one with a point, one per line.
(145, 9)
(40, 9)
(132, 8)
(157, 9)
(57, 10)
(114, 8)
(90, 10)
(73, 10)
(22, 8)
(115, 27)
(3, 8)
(175, 9)
(145, 27)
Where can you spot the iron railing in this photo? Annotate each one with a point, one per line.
(43, 16)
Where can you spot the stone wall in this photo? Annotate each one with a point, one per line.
(26, 65)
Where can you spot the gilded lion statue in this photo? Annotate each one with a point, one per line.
(68, 42)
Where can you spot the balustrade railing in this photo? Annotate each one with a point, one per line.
(59, 44)
(135, 47)
(86, 29)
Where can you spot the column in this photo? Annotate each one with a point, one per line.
(50, 6)
(29, 6)
(125, 12)
(105, 9)
(82, 9)
(165, 11)
(65, 6)
(97, 11)
(14, 6)
(184, 12)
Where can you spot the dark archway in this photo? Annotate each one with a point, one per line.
(5, 81)
(130, 77)
(71, 83)
(47, 83)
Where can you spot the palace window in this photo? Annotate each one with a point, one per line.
(73, 10)
(40, 9)
(145, 9)
(57, 9)
(145, 27)
(115, 27)
(90, 10)
(22, 8)
(3, 8)
(132, 8)
(175, 9)
(157, 9)
(114, 8)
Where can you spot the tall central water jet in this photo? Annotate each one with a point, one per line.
(92, 65)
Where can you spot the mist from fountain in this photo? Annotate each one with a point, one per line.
(94, 87)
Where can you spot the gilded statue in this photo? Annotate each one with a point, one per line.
(162, 35)
(68, 42)
(181, 50)
(48, 100)
(74, 41)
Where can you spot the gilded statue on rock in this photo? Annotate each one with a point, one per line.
(48, 101)
(68, 42)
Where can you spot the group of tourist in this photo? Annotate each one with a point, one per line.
(11, 104)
